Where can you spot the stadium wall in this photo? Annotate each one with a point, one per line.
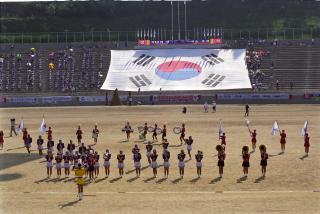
(221, 98)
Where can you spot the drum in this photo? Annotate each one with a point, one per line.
(150, 129)
(158, 130)
(140, 128)
(125, 130)
(177, 130)
(141, 137)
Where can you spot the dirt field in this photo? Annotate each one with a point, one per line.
(292, 184)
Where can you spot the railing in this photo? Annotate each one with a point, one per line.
(117, 36)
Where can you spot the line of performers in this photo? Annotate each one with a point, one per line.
(89, 160)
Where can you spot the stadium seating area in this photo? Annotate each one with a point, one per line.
(83, 69)
(53, 70)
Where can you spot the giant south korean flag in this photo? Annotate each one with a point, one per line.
(177, 69)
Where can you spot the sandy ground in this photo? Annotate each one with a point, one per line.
(292, 184)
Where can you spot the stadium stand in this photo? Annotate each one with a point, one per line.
(83, 68)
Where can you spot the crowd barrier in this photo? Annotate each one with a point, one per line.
(16, 101)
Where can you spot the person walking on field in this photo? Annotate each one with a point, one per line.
(79, 135)
(13, 127)
(247, 110)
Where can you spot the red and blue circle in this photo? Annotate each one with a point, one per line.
(178, 70)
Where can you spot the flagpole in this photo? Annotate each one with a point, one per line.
(171, 20)
(178, 19)
(185, 20)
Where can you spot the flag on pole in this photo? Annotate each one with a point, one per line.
(247, 123)
(20, 126)
(304, 129)
(221, 130)
(43, 126)
(275, 128)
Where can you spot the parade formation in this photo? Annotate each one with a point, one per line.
(84, 160)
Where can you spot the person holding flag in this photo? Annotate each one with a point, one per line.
(1, 139)
(275, 128)
(283, 140)
(306, 143)
(49, 133)
(304, 133)
(43, 127)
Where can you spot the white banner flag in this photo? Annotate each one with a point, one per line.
(43, 127)
(20, 126)
(304, 129)
(177, 69)
(221, 130)
(275, 128)
(247, 122)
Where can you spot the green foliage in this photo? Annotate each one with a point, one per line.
(103, 14)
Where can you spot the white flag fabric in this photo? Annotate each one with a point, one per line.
(43, 127)
(275, 128)
(304, 129)
(221, 130)
(177, 70)
(247, 122)
(20, 126)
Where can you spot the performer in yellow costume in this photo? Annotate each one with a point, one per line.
(79, 173)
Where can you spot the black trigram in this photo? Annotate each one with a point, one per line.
(140, 81)
(212, 59)
(213, 80)
(143, 60)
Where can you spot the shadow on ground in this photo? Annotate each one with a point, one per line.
(10, 177)
(8, 160)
